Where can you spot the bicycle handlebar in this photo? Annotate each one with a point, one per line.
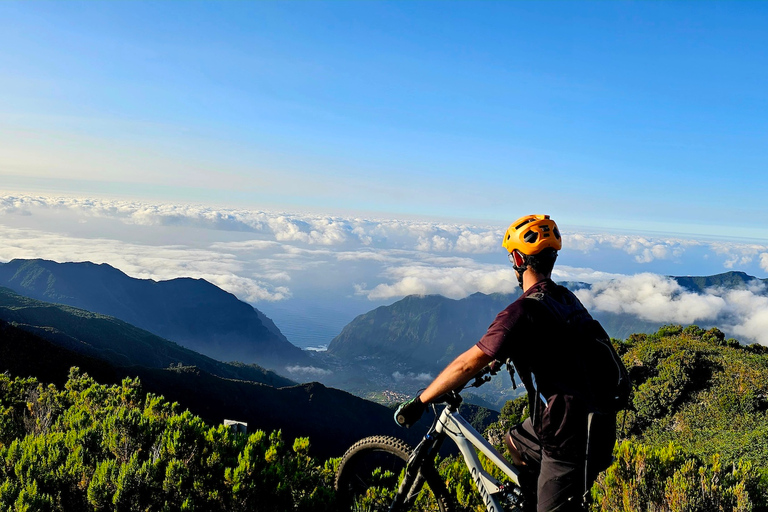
(453, 397)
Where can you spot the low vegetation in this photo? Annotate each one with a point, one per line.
(697, 440)
(96, 447)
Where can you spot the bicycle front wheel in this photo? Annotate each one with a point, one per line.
(370, 473)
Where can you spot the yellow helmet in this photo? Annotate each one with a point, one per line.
(532, 234)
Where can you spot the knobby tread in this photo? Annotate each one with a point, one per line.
(402, 450)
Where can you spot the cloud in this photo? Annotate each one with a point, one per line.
(651, 297)
(563, 273)
(142, 261)
(247, 245)
(742, 312)
(739, 254)
(267, 256)
(308, 370)
(453, 282)
(420, 377)
(355, 233)
(479, 242)
(643, 248)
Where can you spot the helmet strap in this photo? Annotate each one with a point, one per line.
(520, 264)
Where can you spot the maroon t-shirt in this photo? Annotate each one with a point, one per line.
(529, 334)
(546, 357)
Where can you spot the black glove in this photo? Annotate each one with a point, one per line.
(409, 412)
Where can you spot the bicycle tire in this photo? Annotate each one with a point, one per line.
(360, 487)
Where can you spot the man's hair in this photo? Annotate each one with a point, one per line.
(544, 262)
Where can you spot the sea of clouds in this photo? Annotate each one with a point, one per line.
(267, 257)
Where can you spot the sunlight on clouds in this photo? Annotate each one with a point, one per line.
(661, 299)
(644, 249)
(749, 315)
(452, 282)
(737, 255)
(482, 242)
(257, 254)
(357, 233)
(563, 273)
(140, 261)
(651, 297)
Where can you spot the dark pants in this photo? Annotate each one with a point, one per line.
(557, 456)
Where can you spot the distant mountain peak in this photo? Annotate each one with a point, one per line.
(190, 311)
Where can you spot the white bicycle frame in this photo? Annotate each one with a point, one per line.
(467, 439)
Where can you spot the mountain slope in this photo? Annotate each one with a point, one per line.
(426, 332)
(401, 346)
(731, 280)
(430, 330)
(191, 312)
(113, 340)
(333, 419)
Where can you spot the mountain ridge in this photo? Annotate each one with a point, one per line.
(113, 340)
(421, 334)
(332, 418)
(192, 312)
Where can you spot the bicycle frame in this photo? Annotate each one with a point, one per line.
(452, 424)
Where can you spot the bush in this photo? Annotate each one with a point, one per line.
(668, 480)
(95, 447)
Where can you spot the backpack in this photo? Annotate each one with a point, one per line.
(603, 379)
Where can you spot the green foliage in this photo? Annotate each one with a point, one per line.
(669, 480)
(694, 443)
(95, 447)
(697, 435)
(702, 392)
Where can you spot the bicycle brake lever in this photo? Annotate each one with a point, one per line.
(480, 380)
(494, 366)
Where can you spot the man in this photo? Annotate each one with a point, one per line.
(550, 446)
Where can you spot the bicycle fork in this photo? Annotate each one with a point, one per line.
(414, 479)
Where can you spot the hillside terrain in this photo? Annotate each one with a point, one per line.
(386, 354)
(699, 391)
(395, 346)
(696, 441)
(45, 340)
(191, 312)
(334, 419)
(115, 341)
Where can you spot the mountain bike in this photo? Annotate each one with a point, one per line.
(385, 473)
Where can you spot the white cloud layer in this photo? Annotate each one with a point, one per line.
(304, 371)
(271, 256)
(140, 261)
(410, 376)
(743, 312)
(452, 282)
(651, 297)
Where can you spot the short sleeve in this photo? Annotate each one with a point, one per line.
(496, 342)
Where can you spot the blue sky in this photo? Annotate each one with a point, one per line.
(321, 158)
(630, 115)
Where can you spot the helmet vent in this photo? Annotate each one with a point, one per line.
(526, 221)
(531, 237)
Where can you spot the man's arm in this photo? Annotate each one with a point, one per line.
(457, 373)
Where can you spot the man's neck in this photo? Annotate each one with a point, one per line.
(530, 278)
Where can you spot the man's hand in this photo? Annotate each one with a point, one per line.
(410, 412)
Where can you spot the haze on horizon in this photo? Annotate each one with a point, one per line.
(361, 151)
